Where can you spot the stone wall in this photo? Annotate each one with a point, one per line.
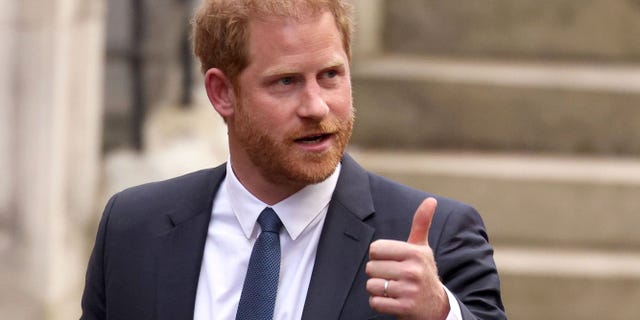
(566, 30)
(50, 109)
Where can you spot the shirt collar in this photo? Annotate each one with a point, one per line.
(296, 212)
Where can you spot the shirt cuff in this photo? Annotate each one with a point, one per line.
(454, 307)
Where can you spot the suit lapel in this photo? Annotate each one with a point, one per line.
(179, 251)
(179, 259)
(342, 249)
(343, 246)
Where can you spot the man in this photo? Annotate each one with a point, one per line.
(352, 245)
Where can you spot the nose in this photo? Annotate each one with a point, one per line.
(313, 104)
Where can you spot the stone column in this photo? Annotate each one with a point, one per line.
(50, 111)
(6, 125)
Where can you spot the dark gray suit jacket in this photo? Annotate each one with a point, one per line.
(150, 242)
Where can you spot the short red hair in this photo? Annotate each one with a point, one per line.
(220, 28)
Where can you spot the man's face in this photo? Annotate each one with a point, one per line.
(294, 115)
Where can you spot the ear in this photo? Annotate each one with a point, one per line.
(220, 92)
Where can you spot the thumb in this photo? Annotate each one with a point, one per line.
(422, 221)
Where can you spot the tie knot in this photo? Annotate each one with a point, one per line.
(269, 221)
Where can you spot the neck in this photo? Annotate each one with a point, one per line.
(260, 187)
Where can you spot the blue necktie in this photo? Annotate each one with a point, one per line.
(258, 298)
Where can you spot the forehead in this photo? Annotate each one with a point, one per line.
(292, 36)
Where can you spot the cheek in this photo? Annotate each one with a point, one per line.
(272, 120)
(343, 104)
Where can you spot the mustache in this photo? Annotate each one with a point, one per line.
(333, 126)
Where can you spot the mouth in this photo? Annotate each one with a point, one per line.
(313, 139)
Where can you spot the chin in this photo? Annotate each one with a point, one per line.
(308, 170)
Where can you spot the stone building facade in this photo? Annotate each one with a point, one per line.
(50, 109)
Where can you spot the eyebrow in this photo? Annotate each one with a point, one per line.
(276, 71)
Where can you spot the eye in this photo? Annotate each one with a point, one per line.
(286, 81)
(331, 74)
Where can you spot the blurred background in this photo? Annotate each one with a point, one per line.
(529, 110)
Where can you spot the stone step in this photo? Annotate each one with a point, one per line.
(427, 102)
(539, 283)
(529, 200)
(604, 30)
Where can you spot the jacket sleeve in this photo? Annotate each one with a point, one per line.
(93, 297)
(465, 264)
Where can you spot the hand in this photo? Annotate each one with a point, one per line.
(414, 290)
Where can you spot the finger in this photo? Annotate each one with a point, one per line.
(384, 269)
(375, 287)
(422, 221)
(386, 305)
(385, 249)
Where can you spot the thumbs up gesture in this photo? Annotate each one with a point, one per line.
(403, 275)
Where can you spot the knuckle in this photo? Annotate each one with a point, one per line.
(419, 253)
(374, 247)
(412, 291)
(416, 254)
(367, 268)
(375, 303)
(407, 307)
(413, 272)
(370, 285)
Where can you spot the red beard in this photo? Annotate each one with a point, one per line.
(280, 161)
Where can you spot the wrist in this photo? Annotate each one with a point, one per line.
(444, 306)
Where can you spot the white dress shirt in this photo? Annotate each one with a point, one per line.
(232, 232)
(233, 229)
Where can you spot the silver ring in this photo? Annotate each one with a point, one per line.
(386, 287)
